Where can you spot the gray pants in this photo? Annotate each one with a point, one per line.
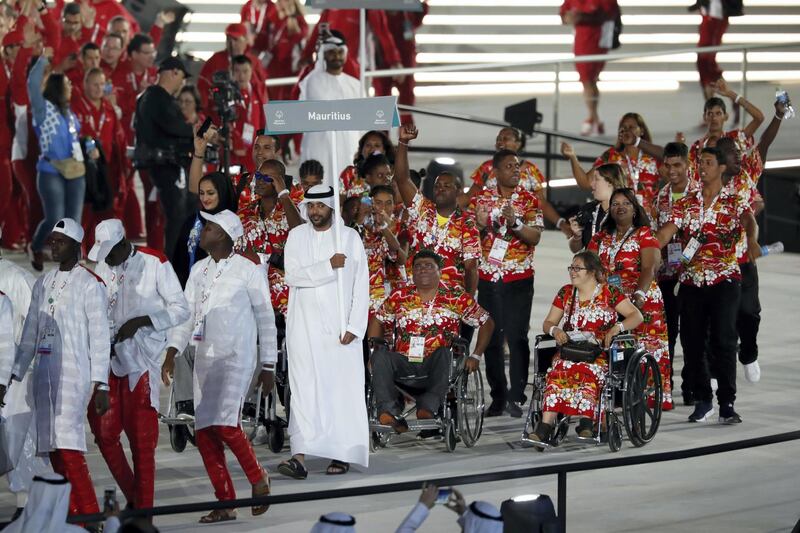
(432, 375)
(183, 386)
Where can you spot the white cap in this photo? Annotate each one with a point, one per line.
(228, 221)
(70, 228)
(107, 234)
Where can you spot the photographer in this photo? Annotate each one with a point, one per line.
(604, 180)
(164, 144)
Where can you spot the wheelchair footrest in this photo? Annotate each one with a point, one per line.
(174, 421)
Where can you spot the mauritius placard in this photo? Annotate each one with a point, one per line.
(357, 114)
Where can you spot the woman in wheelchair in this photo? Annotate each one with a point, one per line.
(591, 306)
(426, 317)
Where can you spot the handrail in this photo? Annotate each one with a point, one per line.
(560, 469)
(568, 60)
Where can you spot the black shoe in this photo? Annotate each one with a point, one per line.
(514, 410)
(688, 399)
(496, 408)
(728, 416)
(703, 411)
(543, 432)
(585, 428)
(429, 434)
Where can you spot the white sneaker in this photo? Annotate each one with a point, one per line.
(261, 436)
(714, 385)
(752, 372)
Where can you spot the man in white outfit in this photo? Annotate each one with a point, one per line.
(326, 369)
(328, 81)
(66, 330)
(17, 284)
(229, 302)
(145, 301)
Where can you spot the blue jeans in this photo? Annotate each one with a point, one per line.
(61, 198)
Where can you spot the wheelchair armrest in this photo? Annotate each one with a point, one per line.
(459, 345)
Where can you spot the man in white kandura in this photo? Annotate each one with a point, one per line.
(66, 331)
(326, 370)
(145, 301)
(229, 300)
(17, 284)
(328, 81)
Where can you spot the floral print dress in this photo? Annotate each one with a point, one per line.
(573, 389)
(623, 260)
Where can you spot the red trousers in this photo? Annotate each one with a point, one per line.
(711, 31)
(153, 216)
(25, 174)
(72, 465)
(131, 210)
(210, 442)
(130, 410)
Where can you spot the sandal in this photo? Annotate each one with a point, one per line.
(337, 468)
(262, 488)
(219, 515)
(293, 469)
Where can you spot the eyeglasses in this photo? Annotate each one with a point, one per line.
(263, 177)
(575, 269)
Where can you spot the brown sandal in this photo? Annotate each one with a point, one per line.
(219, 515)
(262, 488)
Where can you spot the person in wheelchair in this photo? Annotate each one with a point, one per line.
(591, 306)
(426, 316)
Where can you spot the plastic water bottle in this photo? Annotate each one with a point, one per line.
(770, 249)
(783, 97)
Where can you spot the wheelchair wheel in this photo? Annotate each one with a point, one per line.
(470, 408)
(450, 438)
(614, 432)
(178, 437)
(641, 403)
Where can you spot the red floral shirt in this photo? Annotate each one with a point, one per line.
(642, 173)
(717, 229)
(745, 188)
(456, 242)
(664, 201)
(351, 184)
(751, 157)
(379, 259)
(596, 315)
(518, 260)
(438, 321)
(530, 177)
(622, 257)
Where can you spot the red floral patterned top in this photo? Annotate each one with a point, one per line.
(351, 184)
(530, 177)
(456, 242)
(664, 201)
(642, 173)
(596, 315)
(379, 258)
(717, 229)
(745, 188)
(751, 157)
(518, 260)
(622, 257)
(438, 321)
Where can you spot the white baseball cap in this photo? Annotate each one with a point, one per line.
(228, 221)
(107, 234)
(70, 228)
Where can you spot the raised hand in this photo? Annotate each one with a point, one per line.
(408, 132)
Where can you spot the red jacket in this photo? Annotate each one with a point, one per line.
(127, 87)
(259, 20)
(402, 25)
(219, 61)
(282, 45)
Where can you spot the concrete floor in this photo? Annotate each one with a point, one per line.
(750, 491)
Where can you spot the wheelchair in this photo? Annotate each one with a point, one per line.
(632, 392)
(459, 418)
(274, 424)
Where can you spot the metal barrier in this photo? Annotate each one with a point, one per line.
(559, 470)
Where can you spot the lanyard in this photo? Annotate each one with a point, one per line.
(90, 115)
(116, 283)
(594, 218)
(427, 320)
(53, 299)
(135, 84)
(633, 171)
(574, 313)
(258, 22)
(220, 270)
(616, 247)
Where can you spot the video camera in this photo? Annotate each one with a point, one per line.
(226, 94)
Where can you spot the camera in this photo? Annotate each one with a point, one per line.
(225, 93)
(584, 217)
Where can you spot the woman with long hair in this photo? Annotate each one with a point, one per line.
(603, 180)
(352, 181)
(631, 255)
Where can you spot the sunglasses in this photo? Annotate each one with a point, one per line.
(263, 177)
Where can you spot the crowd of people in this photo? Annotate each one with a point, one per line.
(237, 262)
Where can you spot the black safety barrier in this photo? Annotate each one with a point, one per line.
(561, 470)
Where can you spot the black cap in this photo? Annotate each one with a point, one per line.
(173, 63)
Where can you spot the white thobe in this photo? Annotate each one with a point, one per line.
(319, 145)
(329, 415)
(145, 284)
(63, 381)
(236, 306)
(17, 283)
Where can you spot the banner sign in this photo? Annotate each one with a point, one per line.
(357, 114)
(389, 5)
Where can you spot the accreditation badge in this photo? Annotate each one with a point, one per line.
(46, 341)
(498, 252)
(416, 349)
(691, 248)
(199, 332)
(674, 253)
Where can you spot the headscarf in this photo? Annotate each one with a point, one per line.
(227, 200)
(47, 507)
(331, 42)
(317, 193)
(481, 517)
(335, 523)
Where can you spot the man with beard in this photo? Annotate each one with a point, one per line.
(326, 367)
